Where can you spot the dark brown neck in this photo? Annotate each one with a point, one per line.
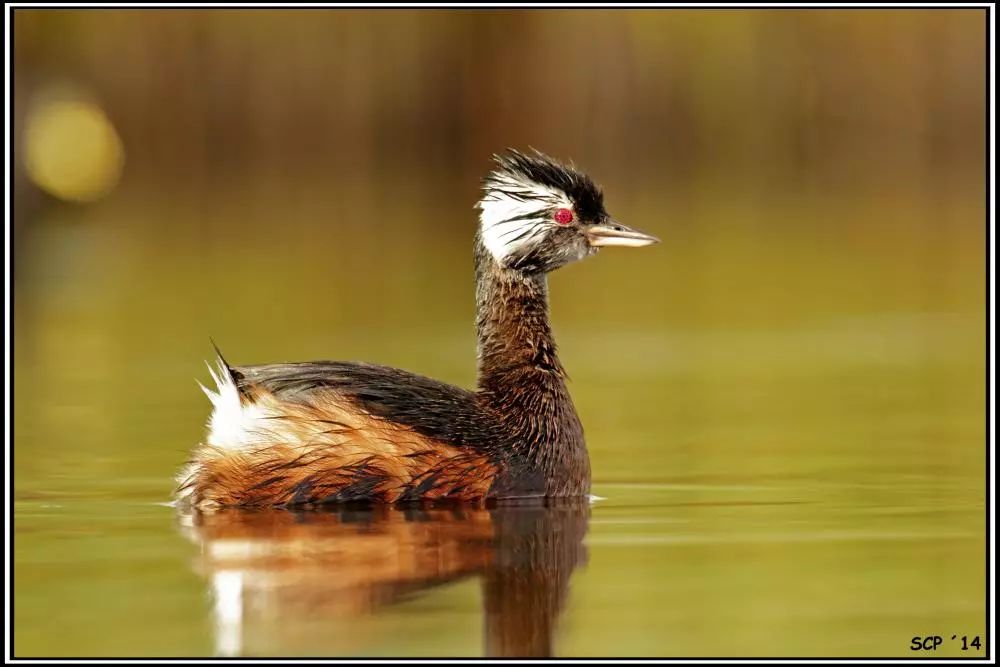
(520, 375)
(512, 322)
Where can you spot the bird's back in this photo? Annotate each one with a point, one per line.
(434, 409)
(332, 431)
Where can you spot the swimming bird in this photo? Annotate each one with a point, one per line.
(293, 434)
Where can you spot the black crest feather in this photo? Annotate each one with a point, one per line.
(587, 198)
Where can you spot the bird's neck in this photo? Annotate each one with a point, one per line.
(512, 323)
(520, 375)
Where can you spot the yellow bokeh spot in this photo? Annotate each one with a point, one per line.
(72, 151)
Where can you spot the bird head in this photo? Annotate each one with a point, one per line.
(537, 214)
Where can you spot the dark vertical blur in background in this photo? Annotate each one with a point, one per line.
(299, 184)
(777, 104)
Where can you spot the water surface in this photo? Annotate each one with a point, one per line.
(786, 430)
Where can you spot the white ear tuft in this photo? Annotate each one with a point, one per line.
(514, 212)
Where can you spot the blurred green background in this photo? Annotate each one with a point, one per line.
(784, 401)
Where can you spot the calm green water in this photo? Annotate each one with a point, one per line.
(786, 430)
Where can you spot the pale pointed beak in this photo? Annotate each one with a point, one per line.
(610, 232)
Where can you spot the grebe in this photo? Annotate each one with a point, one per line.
(334, 431)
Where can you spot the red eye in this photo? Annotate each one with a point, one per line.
(563, 216)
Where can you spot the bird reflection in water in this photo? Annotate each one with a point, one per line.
(271, 570)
